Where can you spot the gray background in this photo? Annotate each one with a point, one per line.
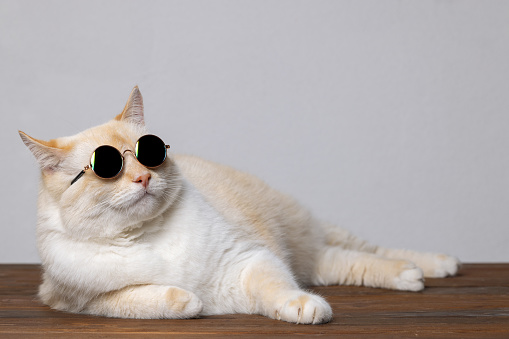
(387, 117)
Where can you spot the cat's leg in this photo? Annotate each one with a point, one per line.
(146, 302)
(337, 266)
(272, 291)
(433, 265)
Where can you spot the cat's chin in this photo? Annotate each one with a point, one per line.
(141, 197)
(141, 203)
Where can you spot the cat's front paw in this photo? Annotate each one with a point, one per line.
(441, 266)
(304, 308)
(410, 278)
(182, 303)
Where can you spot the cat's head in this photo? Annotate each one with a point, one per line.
(96, 207)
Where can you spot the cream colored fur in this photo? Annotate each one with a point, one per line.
(201, 239)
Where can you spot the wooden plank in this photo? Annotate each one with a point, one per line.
(472, 305)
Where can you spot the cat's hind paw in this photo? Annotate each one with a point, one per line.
(441, 266)
(304, 308)
(411, 278)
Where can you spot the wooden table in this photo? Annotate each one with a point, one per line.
(474, 304)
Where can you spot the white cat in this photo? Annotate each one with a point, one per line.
(190, 237)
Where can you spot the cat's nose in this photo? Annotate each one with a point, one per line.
(143, 179)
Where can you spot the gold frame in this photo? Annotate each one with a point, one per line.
(122, 155)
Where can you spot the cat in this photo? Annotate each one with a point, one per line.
(192, 238)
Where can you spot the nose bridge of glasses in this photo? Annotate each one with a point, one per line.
(128, 150)
(139, 170)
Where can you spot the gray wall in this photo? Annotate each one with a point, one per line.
(387, 117)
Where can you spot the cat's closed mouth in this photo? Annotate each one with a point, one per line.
(141, 195)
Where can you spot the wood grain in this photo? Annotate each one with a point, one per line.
(474, 304)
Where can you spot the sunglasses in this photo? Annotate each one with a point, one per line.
(107, 161)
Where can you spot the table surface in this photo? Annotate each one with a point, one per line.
(473, 304)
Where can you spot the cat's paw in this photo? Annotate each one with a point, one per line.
(304, 308)
(441, 266)
(182, 303)
(410, 278)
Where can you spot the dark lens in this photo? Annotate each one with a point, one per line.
(106, 161)
(150, 151)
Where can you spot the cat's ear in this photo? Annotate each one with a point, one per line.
(46, 153)
(133, 110)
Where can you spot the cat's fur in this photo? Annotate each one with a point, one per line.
(200, 239)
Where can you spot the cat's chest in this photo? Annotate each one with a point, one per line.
(191, 249)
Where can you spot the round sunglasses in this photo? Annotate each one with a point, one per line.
(107, 161)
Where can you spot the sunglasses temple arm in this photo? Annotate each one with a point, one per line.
(80, 175)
